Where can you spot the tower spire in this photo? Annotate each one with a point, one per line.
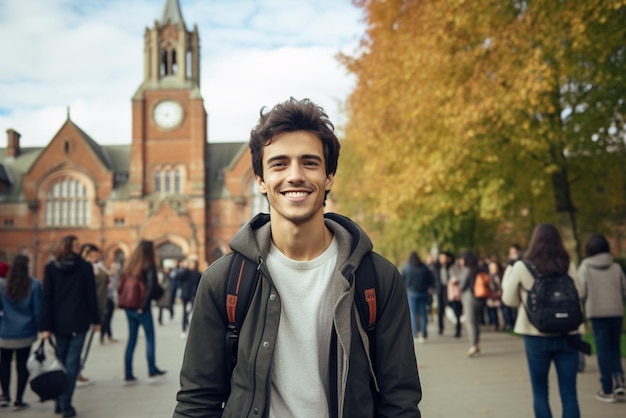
(172, 14)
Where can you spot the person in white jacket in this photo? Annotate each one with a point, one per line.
(603, 291)
(547, 253)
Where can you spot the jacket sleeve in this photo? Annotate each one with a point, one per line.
(150, 275)
(92, 301)
(204, 385)
(396, 364)
(46, 318)
(36, 298)
(582, 282)
(623, 281)
(510, 285)
(431, 278)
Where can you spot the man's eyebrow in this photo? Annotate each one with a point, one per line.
(301, 157)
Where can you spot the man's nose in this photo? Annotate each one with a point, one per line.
(296, 173)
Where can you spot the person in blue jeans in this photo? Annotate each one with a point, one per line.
(141, 263)
(419, 282)
(69, 308)
(547, 253)
(603, 290)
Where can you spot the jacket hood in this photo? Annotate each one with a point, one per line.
(253, 240)
(68, 264)
(602, 260)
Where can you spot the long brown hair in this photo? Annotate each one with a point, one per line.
(17, 285)
(546, 250)
(64, 247)
(141, 258)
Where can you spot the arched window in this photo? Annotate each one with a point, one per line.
(67, 204)
(157, 181)
(168, 181)
(258, 201)
(177, 188)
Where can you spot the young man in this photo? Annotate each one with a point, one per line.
(302, 350)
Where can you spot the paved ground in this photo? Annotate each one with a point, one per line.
(494, 384)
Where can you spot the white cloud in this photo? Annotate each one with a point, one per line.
(89, 56)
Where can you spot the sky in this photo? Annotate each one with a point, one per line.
(87, 55)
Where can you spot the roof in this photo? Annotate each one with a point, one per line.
(221, 156)
(172, 14)
(97, 149)
(117, 160)
(17, 168)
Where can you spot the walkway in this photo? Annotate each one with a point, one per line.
(494, 384)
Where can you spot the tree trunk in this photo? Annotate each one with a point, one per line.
(566, 213)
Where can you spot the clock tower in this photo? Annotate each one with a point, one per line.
(169, 149)
(169, 122)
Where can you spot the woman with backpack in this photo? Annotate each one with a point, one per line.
(547, 255)
(603, 290)
(473, 305)
(140, 266)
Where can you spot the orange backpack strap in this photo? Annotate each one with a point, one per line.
(242, 280)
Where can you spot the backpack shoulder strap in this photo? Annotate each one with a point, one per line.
(533, 271)
(366, 292)
(242, 279)
(531, 267)
(366, 299)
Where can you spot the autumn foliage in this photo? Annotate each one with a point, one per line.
(472, 120)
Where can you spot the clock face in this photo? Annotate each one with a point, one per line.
(168, 114)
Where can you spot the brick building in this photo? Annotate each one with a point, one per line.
(169, 185)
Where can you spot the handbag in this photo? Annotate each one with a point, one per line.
(50, 379)
(131, 292)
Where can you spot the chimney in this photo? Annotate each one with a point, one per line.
(13, 144)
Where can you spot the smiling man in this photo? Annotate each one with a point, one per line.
(302, 350)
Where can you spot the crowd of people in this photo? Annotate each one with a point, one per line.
(75, 300)
(451, 285)
(303, 326)
(443, 286)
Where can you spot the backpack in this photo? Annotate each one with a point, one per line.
(482, 287)
(131, 291)
(553, 305)
(243, 277)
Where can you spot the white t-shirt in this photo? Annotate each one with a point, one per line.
(299, 374)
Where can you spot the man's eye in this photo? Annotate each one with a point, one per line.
(277, 165)
(311, 163)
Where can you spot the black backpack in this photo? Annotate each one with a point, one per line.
(553, 305)
(243, 277)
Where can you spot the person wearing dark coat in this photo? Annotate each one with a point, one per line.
(442, 274)
(69, 308)
(188, 282)
(419, 282)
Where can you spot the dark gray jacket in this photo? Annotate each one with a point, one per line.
(207, 390)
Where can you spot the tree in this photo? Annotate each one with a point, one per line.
(480, 111)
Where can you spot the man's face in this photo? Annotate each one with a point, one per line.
(295, 180)
(93, 257)
(513, 253)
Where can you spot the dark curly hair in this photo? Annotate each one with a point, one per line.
(17, 285)
(290, 116)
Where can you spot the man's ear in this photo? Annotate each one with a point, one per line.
(261, 184)
(330, 180)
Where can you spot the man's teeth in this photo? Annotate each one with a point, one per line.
(295, 194)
